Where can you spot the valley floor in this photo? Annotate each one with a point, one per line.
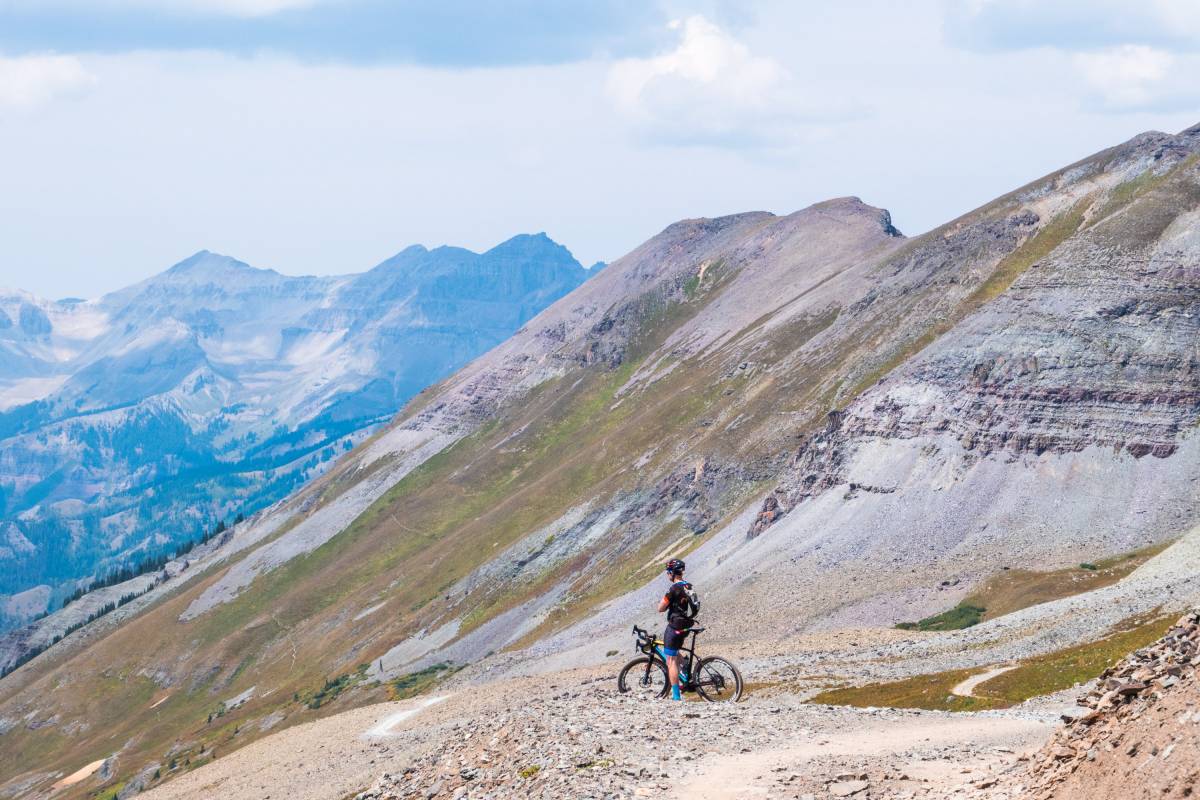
(572, 734)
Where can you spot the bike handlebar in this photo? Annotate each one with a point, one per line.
(642, 633)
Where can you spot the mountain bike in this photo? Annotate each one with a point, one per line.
(714, 678)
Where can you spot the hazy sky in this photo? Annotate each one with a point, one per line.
(321, 136)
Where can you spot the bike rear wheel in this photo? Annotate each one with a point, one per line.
(718, 680)
(644, 677)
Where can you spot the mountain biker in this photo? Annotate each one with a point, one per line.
(681, 610)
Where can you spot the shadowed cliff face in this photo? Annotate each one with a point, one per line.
(812, 396)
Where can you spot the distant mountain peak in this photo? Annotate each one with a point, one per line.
(206, 262)
(533, 245)
(852, 207)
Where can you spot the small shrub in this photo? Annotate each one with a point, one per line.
(414, 683)
(1088, 565)
(530, 771)
(963, 615)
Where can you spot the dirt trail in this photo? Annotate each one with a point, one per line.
(910, 746)
(388, 726)
(765, 745)
(967, 687)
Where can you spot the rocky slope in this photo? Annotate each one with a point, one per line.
(837, 426)
(132, 423)
(1138, 735)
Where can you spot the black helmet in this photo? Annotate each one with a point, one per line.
(675, 566)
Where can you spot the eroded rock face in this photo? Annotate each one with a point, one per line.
(1095, 344)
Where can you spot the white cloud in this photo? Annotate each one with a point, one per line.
(705, 56)
(1132, 78)
(1174, 19)
(1123, 55)
(28, 81)
(1129, 76)
(1074, 25)
(235, 8)
(709, 89)
(244, 8)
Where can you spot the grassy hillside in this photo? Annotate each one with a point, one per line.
(655, 405)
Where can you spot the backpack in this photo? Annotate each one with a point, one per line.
(693, 600)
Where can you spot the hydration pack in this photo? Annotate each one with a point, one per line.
(693, 600)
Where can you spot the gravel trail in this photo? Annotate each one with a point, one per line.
(572, 734)
(967, 687)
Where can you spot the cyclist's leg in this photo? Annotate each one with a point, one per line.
(672, 641)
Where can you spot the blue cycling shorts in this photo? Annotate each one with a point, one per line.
(673, 640)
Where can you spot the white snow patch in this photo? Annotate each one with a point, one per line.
(312, 347)
(26, 390)
(169, 330)
(82, 321)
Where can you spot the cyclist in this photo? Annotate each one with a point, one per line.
(681, 608)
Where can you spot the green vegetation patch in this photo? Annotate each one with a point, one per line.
(334, 687)
(963, 615)
(110, 792)
(1063, 669)
(920, 691)
(415, 683)
(1125, 193)
(1014, 589)
(1034, 677)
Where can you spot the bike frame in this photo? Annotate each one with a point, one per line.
(657, 650)
(651, 648)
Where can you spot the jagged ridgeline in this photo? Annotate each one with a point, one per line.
(215, 389)
(824, 417)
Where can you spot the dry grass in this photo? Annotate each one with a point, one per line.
(1014, 589)
(1034, 677)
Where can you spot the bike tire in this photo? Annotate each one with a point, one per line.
(718, 680)
(644, 677)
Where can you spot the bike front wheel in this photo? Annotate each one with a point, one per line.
(718, 680)
(644, 677)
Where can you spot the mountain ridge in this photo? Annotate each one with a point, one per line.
(837, 427)
(208, 336)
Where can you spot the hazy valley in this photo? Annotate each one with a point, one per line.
(133, 425)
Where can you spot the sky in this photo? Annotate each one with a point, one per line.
(322, 136)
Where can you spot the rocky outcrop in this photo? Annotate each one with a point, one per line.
(1140, 733)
